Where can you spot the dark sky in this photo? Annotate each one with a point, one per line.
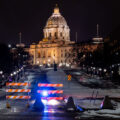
(30, 16)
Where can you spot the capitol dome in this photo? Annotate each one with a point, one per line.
(56, 27)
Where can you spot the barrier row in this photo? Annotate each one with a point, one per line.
(52, 98)
(51, 91)
(49, 85)
(39, 84)
(28, 97)
(39, 91)
(18, 97)
(29, 90)
(17, 84)
(18, 90)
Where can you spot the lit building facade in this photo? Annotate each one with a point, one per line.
(56, 46)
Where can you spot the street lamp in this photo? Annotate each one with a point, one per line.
(100, 69)
(105, 70)
(1, 72)
(14, 73)
(11, 74)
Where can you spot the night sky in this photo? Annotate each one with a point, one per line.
(30, 16)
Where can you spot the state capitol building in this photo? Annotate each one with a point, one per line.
(56, 46)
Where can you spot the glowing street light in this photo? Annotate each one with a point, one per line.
(100, 69)
(14, 73)
(1, 72)
(105, 70)
(11, 74)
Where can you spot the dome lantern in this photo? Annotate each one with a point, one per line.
(56, 10)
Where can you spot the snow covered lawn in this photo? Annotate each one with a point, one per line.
(100, 113)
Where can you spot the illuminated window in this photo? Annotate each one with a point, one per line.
(56, 35)
(49, 34)
(39, 55)
(44, 54)
(49, 54)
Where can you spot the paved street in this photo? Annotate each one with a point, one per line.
(19, 111)
(18, 107)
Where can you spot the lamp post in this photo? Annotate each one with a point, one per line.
(100, 71)
(1, 72)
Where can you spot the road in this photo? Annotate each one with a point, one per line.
(18, 110)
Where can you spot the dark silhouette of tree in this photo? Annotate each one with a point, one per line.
(5, 59)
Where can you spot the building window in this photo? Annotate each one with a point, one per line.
(65, 54)
(39, 55)
(56, 35)
(49, 54)
(61, 34)
(50, 35)
(44, 54)
(61, 55)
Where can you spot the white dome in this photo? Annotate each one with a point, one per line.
(56, 26)
(56, 21)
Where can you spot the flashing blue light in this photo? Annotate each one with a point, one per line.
(45, 93)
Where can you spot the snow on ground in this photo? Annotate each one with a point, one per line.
(100, 113)
(13, 103)
(79, 92)
(73, 88)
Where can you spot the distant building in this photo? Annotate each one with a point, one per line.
(56, 46)
(97, 39)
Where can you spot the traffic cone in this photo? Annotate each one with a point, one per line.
(106, 103)
(70, 105)
(8, 105)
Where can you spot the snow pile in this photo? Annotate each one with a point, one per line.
(88, 104)
(100, 113)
